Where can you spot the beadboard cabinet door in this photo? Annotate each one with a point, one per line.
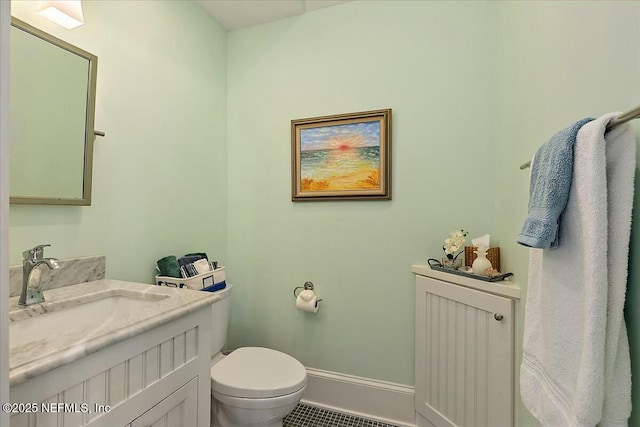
(179, 409)
(464, 356)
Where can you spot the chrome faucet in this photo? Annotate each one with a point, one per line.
(31, 285)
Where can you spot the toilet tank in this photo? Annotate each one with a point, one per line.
(220, 319)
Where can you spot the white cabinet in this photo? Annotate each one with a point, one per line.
(464, 353)
(177, 410)
(157, 378)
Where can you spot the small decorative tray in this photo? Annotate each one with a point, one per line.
(436, 265)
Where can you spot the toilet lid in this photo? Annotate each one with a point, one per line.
(257, 372)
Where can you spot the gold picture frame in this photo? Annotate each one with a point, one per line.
(341, 157)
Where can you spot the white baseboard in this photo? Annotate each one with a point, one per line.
(363, 397)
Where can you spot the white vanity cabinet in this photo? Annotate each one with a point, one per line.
(158, 377)
(464, 351)
(177, 410)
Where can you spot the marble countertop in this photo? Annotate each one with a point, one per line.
(61, 347)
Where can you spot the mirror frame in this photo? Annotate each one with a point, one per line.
(89, 134)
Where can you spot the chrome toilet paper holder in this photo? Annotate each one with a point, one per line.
(308, 286)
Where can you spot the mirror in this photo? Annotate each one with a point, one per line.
(51, 116)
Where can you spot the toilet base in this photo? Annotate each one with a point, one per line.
(228, 411)
(223, 421)
(220, 419)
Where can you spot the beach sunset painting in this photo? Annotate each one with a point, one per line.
(341, 157)
(345, 156)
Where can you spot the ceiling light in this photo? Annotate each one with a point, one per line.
(67, 13)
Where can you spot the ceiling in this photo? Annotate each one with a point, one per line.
(235, 14)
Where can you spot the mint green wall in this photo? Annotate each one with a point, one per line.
(560, 61)
(475, 87)
(159, 175)
(355, 57)
(632, 308)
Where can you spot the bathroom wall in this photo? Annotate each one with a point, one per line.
(354, 57)
(159, 175)
(4, 205)
(561, 61)
(632, 307)
(476, 88)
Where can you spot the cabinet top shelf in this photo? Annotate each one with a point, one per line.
(504, 288)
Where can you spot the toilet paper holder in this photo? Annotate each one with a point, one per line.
(308, 286)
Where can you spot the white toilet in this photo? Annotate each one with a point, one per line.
(252, 386)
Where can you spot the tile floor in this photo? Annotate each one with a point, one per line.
(310, 416)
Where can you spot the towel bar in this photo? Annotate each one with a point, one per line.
(622, 118)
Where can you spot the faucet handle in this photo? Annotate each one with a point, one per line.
(35, 253)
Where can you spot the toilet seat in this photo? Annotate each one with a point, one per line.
(256, 372)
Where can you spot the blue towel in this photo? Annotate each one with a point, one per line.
(551, 173)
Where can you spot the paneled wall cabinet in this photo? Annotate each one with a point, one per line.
(464, 351)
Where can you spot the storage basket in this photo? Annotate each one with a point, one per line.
(204, 281)
(493, 255)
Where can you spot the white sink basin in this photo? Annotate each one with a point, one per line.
(85, 318)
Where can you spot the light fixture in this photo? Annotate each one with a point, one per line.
(67, 13)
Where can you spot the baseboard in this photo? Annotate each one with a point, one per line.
(363, 397)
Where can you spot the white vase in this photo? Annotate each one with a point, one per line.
(481, 263)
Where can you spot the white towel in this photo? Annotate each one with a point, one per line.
(575, 368)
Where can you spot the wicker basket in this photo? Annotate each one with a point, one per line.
(493, 255)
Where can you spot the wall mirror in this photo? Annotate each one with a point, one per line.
(52, 88)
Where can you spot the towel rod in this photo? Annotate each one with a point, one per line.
(622, 118)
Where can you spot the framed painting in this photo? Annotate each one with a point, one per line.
(341, 157)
